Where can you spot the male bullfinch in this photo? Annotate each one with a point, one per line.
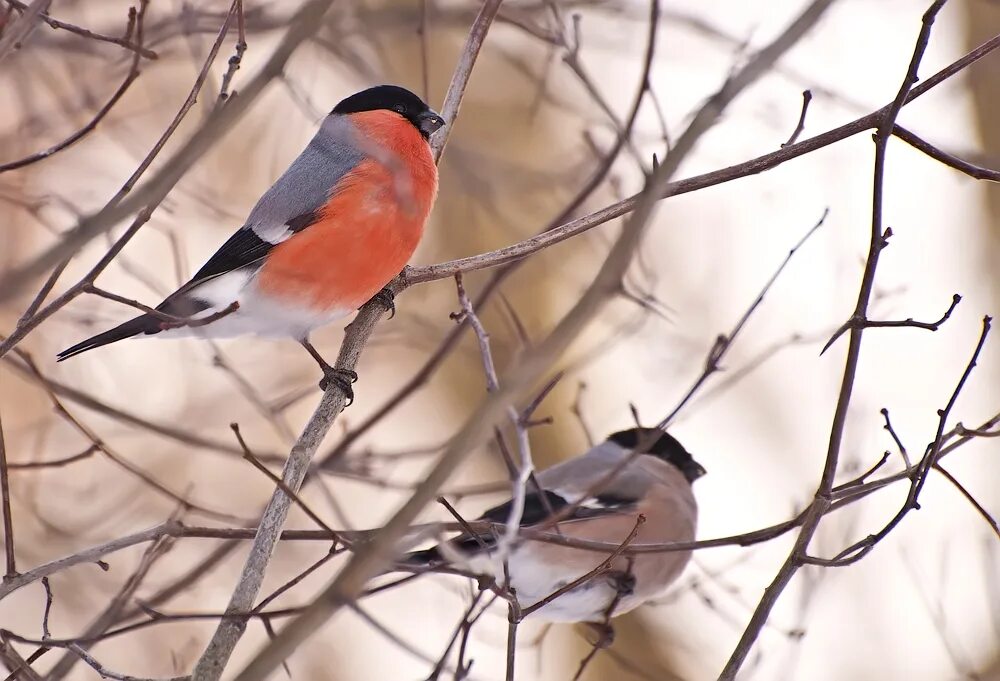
(335, 228)
(656, 484)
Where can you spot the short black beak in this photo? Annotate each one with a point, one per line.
(693, 470)
(429, 122)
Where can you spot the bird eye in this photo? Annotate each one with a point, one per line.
(399, 108)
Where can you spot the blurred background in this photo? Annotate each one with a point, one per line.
(925, 604)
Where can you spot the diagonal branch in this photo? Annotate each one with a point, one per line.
(215, 657)
(8, 521)
(87, 33)
(136, 27)
(35, 316)
(821, 501)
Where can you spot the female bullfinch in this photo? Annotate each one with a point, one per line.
(335, 228)
(656, 485)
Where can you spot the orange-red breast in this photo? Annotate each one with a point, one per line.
(334, 229)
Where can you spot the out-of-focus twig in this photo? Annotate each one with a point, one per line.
(462, 73)
(87, 33)
(155, 551)
(8, 520)
(28, 323)
(21, 28)
(135, 27)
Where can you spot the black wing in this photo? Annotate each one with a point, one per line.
(245, 248)
(537, 508)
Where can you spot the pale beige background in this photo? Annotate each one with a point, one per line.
(925, 605)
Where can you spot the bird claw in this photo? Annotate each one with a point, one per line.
(621, 582)
(342, 378)
(387, 299)
(605, 634)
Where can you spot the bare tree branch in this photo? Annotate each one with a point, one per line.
(86, 33)
(213, 661)
(821, 500)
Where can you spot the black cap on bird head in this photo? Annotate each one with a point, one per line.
(665, 446)
(397, 99)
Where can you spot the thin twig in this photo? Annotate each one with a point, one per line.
(602, 567)
(130, 77)
(110, 614)
(606, 626)
(106, 673)
(990, 520)
(821, 501)
(27, 324)
(460, 628)
(895, 437)
(86, 33)
(55, 463)
(463, 71)
(970, 169)
(237, 58)
(918, 474)
(8, 520)
(255, 462)
(723, 343)
(807, 96)
(48, 607)
(896, 323)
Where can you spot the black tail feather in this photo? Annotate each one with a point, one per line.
(433, 556)
(133, 327)
(425, 557)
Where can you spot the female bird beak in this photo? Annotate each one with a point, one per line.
(429, 122)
